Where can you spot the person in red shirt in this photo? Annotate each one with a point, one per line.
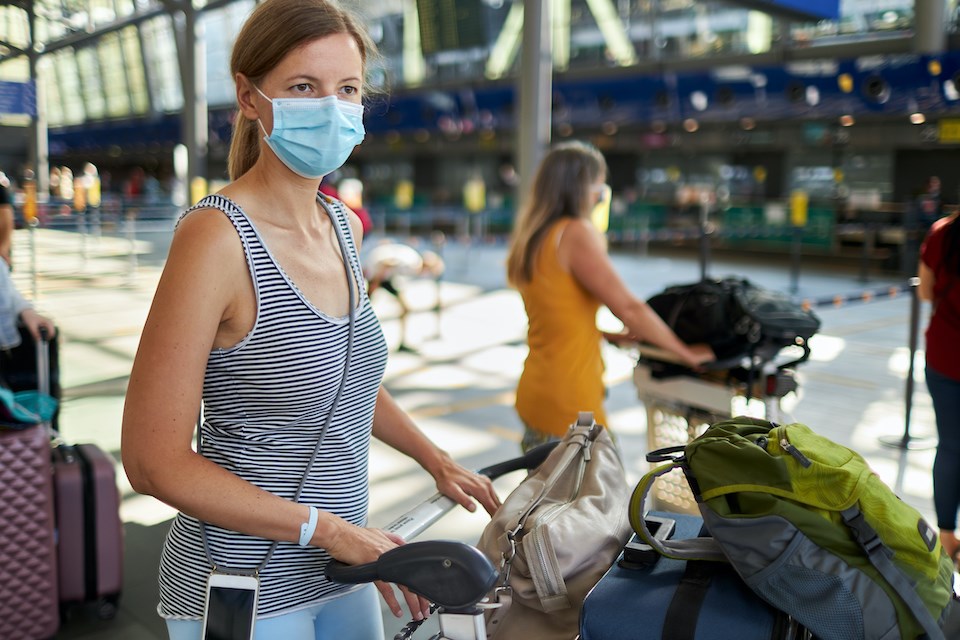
(939, 276)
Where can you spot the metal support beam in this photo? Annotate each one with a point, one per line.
(414, 67)
(191, 53)
(38, 155)
(929, 26)
(535, 91)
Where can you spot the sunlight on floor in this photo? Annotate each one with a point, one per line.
(825, 348)
(145, 510)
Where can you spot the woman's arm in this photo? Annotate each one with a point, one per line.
(927, 280)
(582, 252)
(393, 426)
(204, 276)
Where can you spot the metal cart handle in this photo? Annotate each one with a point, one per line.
(413, 522)
(451, 574)
(650, 352)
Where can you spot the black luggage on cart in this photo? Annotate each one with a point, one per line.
(18, 366)
(647, 597)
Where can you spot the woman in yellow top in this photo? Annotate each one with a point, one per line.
(559, 263)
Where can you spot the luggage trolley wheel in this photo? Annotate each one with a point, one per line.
(108, 606)
(105, 608)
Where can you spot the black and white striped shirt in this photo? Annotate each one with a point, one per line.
(265, 401)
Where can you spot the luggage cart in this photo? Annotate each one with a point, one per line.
(453, 576)
(681, 403)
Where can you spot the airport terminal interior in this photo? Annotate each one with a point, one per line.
(797, 144)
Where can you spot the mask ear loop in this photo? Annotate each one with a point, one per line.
(268, 99)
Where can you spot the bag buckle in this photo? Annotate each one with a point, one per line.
(864, 534)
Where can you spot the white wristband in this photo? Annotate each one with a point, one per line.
(309, 527)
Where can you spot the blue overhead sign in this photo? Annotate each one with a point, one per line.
(799, 9)
(18, 98)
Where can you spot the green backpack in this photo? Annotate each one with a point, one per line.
(811, 529)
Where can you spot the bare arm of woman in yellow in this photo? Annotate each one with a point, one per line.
(583, 253)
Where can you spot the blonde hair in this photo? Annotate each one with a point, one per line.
(561, 189)
(274, 29)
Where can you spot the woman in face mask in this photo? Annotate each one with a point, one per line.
(259, 317)
(558, 261)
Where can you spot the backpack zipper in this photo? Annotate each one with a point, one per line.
(792, 450)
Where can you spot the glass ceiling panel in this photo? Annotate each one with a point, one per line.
(163, 70)
(114, 76)
(136, 80)
(70, 92)
(16, 70)
(14, 27)
(53, 106)
(57, 19)
(90, 81)
(221, 27)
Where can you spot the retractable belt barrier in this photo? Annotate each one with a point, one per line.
(865, 295)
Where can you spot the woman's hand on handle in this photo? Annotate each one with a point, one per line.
(461, 485)
(699, 354)
(359, 545)
(392, 426)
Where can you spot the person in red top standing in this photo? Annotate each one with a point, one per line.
(939, 276)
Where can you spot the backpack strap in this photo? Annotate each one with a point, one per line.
(879, 556)
(690, 549)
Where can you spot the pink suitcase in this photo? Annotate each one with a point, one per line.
(29, 603)
(90, 534)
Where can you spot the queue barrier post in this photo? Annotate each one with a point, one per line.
(908, 441)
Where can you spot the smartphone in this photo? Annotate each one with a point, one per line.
(231, 607)
(637, 553)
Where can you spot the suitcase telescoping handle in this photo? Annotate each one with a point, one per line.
(43, 362)
(413, 522)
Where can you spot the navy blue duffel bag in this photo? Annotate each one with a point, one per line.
(648, 597)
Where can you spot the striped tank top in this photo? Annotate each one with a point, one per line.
(265, 402)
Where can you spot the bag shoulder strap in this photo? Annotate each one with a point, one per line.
(879, 556)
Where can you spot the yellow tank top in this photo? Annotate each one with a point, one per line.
(563, 373)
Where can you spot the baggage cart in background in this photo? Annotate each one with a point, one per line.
(680, 404)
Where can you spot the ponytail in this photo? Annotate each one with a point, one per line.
(244, 146)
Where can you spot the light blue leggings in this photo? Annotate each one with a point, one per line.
(355, 616)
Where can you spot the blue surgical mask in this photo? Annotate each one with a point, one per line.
(314, 136)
